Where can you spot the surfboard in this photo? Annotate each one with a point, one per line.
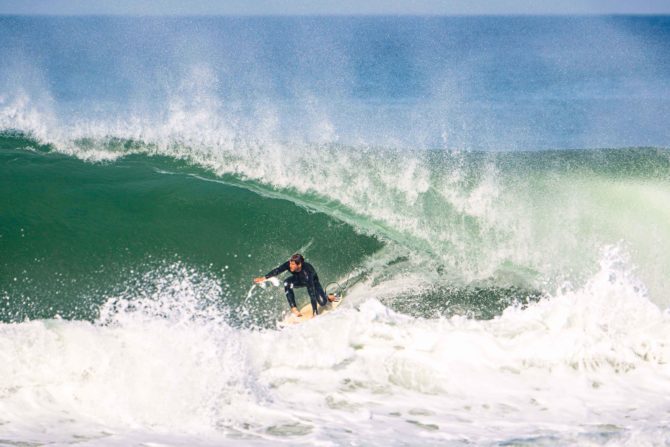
(306, 312)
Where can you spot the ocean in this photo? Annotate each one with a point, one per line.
(489, 193)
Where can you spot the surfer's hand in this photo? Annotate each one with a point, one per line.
(331, 297)
(259, 280)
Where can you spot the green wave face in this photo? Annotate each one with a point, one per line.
(74, 234)
(431, 232)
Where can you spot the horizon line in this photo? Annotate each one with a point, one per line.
(343, 14)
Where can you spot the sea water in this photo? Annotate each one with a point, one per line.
(492, 193)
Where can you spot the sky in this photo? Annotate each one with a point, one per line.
(333, 7)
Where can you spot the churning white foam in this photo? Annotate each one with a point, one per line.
(588, 365)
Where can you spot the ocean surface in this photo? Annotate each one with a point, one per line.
(491, 194)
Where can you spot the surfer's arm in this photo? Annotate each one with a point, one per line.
(274, 272)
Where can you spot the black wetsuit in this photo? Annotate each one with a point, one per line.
(306, 277)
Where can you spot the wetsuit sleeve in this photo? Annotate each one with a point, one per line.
(274, 272)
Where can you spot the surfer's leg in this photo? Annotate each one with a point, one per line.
(320, 293)
(288, 290)
(313, 297)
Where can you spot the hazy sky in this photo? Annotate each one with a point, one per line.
(244, 7)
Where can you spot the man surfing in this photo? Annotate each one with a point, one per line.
(302, 275)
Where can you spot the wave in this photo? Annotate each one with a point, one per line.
(464, 232)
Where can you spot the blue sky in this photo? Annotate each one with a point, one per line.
(245, 7)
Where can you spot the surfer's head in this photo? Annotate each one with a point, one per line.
(295, 263)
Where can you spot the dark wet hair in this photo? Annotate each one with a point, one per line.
(297, 258)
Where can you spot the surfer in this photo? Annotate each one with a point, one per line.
(302, 275)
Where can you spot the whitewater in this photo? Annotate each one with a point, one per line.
(491, 192)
